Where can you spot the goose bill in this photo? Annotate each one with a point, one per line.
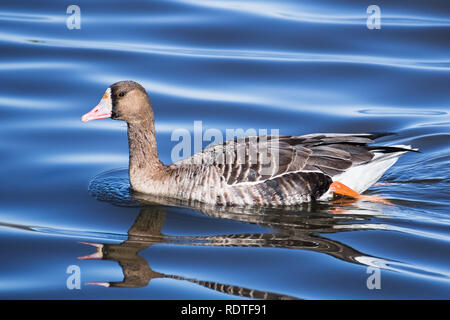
(101, 111)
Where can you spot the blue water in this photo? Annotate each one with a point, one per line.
(297, 66)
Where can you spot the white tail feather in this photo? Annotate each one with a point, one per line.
(362, 177)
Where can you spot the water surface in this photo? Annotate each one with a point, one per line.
(297, 66)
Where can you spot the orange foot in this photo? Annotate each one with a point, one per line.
(342, 189)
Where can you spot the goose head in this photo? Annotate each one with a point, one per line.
(124, 100)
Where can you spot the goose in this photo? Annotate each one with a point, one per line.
(269, 170)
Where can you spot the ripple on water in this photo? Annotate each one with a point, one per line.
(113, 186)
(401, 112)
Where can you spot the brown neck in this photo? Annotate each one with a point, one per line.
(144, 160)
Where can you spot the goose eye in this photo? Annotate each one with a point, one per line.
(121, 94)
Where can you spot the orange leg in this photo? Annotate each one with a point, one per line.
(341, 189)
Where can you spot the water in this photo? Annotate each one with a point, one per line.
(297, 66)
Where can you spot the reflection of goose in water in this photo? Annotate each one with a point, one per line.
(145, 232)
(294, 231)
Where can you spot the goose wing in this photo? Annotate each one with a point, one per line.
(258, 159)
